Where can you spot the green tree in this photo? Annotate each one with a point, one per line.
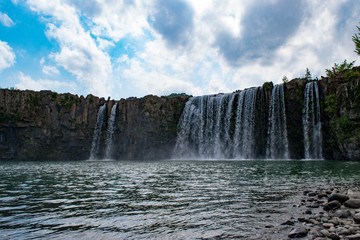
(285, 79)
(338, 68)
(308, 75)
(356, 40)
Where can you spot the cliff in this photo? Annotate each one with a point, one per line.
(49, 126)
(340, 115)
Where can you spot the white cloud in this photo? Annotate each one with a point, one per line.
(7, 56)
(50, 70)
(88, 31)
(5, 20)
(118, 19)
(26, 82)
(157, 82)
(79, 52)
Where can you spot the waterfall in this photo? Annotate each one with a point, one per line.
(97, 131)
(277, 142)
(220, 126)
(311, 122)
(110, 133)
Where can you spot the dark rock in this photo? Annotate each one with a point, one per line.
(342, 214)
(334, 236)
(312, 194)
(357, 218)
(322, 195)
(308, 211)
(314, 205)
(301, 219)
(354, 237)
(353, 203)
(316, 233)
(332, 205)
(340, 197)
(298, 233)
(288, 222)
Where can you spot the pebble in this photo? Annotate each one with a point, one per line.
(334, 236)
(342, 213)
(353, 203)
(325, 233)
(338, 217)
(298, 232)
(354, 237)
(328, 225)
(357, 218)
(335, 204)
(340, 197)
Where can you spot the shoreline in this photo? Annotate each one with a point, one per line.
(320, 214)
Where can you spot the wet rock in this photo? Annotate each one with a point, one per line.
(316, 233)
(313, 221)
(332, 205)
(322, 195)
(301, 219)
(334, 236)
(354, 237)
(357, 218)
(353, 230)
(269, 226)
(344, 231)
(312, 194)
(340, 197)
(298, 233)
(353, 203)
(328, 225)
(334, 221)
(288, 222)
(314, 205)
(325, 233)
(342, 214)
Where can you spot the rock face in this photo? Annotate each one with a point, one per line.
(46, 125)
(49, 126)
(340, 115)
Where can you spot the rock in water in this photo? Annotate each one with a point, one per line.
(332, 205)
(298, 233)
(353, 203)
(340, 197)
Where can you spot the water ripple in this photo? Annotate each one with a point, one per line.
(154, 200)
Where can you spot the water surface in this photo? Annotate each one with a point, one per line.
(157, 199)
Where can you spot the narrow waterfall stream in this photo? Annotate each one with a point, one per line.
(97, 132)
(312, 122)
(110, 133)
(277, 142)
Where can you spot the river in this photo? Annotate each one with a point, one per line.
(156, 199)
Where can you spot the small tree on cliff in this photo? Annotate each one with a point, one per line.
(308, 75)
(356, 40)
(285, 79)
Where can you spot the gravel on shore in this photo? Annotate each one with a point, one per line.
(322, 214)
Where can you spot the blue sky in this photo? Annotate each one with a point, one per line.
(124, 48)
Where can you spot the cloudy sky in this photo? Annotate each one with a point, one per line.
(124, 48)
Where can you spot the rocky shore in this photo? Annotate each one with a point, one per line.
(322, 214)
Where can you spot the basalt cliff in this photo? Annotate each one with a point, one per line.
(49, 126)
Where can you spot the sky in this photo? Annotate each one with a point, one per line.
(133, 48)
